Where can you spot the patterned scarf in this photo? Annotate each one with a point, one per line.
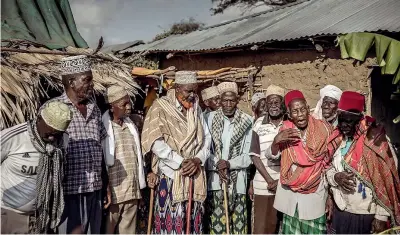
(184, 134)
(50, 197)
(241, 123)
(310, 158)
(371, 160)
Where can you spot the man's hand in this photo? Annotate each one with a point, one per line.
(107, 201)
(152, 180)
(222, 164)
(378, 226)
(272, 185)
(190, 166)
(346, 181)
(251, 191)
(288, 135)
(223, 175)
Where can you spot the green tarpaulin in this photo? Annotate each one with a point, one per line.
(48, 22)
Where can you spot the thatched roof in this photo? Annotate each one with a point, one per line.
(26, 77)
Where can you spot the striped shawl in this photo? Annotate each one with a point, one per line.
(310, 158)
(371, 160)
(242, 123)
(183, 134)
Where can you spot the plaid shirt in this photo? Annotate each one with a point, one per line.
(84, 151)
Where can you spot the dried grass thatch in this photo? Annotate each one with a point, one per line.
(27, 77)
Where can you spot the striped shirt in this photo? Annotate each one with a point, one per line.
(84, 151)
(123, 175)
(266, 132)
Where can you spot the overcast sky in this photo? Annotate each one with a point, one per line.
(120, 21)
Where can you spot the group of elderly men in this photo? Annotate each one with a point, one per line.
(333, 167)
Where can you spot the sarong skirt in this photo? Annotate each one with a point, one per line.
(170, 218)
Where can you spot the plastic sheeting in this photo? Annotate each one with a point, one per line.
(47, 22)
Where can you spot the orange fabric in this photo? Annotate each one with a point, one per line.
(138, 71)
(310, 159)
(371, 159)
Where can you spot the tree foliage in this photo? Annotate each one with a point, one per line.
(182, 27)
(222, 5)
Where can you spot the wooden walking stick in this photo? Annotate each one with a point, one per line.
(149, 222)
(189, 207)
(226, 207)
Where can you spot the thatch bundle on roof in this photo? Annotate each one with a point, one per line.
(28, 74)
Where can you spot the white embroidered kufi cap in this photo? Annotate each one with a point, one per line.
(185, 77)
(56, 115)
(228, 87)
(75, 65)
(209, 93)
(115, 93)
(275, 90)
(257, 97)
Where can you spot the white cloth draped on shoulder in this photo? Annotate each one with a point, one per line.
(109, 145)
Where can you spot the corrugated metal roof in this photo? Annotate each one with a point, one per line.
(302, 19)
(119, 47)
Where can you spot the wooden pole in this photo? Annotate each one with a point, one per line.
(149, 222)
(189, 207)
(226, 207)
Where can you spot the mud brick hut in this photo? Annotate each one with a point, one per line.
(297, 47)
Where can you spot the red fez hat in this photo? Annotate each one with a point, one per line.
(352, 101)
(292, 95)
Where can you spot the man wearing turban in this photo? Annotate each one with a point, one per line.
(32, 163)
(302, 146)
(327, 105)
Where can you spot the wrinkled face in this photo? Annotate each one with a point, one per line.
(260, 108)
(329, 107)
(82, 85)
(213, 103)
(122, 108)
(186, 94)
(347, 122)
(229, 101)
(298, 112)
(47, 133)
(275, 105)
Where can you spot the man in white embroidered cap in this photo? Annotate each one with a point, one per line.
(32, 160)
(175, 131)
(211, 99)
(84, 160)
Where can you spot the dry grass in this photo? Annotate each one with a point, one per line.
(21, 86)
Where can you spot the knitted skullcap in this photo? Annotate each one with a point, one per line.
(75, 65)
(228, 87)
(115, 93)
(209, 93)
(56, 115)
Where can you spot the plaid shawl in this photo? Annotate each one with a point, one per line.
(371, 160)
(184, 134)
(242, 122)
(310, 158)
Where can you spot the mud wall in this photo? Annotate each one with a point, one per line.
(306, 70)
